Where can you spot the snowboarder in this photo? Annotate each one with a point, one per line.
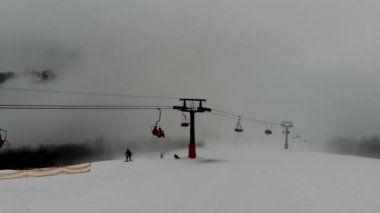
(128, 155)
(176, 157)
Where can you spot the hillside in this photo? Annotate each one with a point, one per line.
(244, 178)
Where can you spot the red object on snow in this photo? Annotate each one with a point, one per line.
(238, 130)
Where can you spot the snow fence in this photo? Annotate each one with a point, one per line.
(43, 172)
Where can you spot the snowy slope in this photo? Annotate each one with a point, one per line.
(244, 178)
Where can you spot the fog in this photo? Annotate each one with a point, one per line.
(311, 62)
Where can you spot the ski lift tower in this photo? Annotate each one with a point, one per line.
(286, 125)
(192, 106)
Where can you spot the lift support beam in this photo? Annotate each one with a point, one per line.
(192, 109)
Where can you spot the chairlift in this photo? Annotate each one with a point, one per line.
(268, 131)
(185, 122)
(3, 138)
(239, 127)
(157, 130)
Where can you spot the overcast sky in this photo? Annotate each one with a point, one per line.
(312, 62)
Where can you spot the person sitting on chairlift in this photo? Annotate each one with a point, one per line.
(160, 133)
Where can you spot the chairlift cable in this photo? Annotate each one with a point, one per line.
(221, 115)
(21, 106)
(16, 89)
(246, 118)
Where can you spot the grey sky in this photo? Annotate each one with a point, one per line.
(313, 62)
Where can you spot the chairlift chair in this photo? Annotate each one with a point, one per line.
(239, 127)
(154, 130)
(268, 131)
(3, 138)
(185, 122)
(157, 130)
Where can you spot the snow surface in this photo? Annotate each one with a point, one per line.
(244, 178)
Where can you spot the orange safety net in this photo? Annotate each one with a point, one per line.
(43, 172)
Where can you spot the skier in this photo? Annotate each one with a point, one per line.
(176, 157)
(128, 155)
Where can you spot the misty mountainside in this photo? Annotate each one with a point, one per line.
(36, 76)
(366, 146)
(5, 76)
(52, 155)
(99, 149)
(240, 177)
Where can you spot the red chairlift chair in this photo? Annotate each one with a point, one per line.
(157, 130)
(239, 127)
(185, 122)
(3, 138)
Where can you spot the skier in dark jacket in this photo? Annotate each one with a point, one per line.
(128, 155)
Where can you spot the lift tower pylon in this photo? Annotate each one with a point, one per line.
(190, 105)
(286, 125)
